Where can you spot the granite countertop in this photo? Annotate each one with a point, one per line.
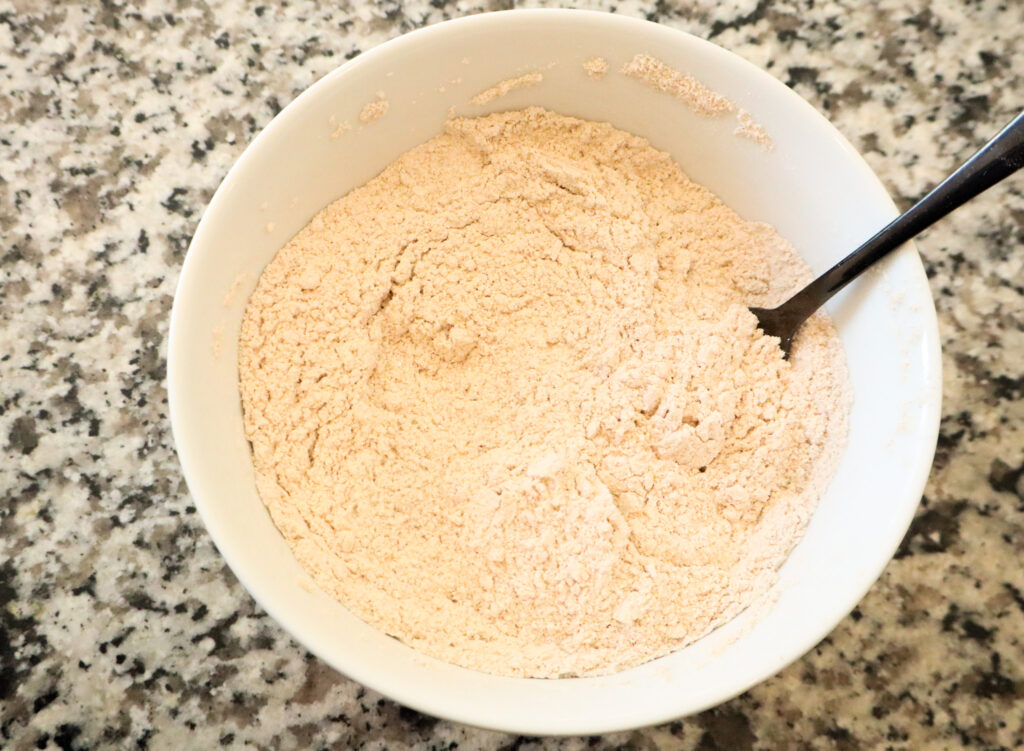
(120, 625)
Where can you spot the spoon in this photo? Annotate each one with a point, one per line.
(997, 159)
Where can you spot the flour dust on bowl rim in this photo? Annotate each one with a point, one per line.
(812, 186)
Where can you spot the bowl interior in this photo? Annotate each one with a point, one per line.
(812, 187)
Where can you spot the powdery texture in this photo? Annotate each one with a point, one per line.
(507, 404)
(749, 128)
(682, 86)
(695, 95)
(373, 111)
(343, 128)
(507, 86)
(596, 67)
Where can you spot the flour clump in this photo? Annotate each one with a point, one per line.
(507, 404)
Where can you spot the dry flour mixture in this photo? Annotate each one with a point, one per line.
(507, 404)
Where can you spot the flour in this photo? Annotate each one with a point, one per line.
(371, 112)
(507, 86)
(596, 67)
(507, 404)
(229, 295)
(343, 128)
(749, 128)
(695, 95)
(682, 86)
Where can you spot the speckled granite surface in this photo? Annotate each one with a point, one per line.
(119, 624)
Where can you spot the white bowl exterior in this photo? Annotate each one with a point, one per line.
(812, 187)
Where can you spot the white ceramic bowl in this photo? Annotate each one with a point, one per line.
(814, 188)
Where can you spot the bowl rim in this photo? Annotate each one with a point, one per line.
(639, 716)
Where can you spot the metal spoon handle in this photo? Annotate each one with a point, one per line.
(1000, 157)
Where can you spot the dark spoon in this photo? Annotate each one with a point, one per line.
(999, 158)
